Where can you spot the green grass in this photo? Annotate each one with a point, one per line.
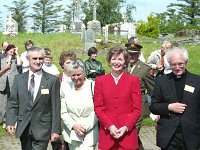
(59, 42)
(148, 122)
(2, 131)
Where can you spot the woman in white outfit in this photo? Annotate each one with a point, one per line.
(80, 128)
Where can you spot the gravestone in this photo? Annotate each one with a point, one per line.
(128, 30)
(115, 32)
(105, 33)
(82, 31)
(62, 28)
(76, 26)
(11, 26)
(89, 39)
(95, 26)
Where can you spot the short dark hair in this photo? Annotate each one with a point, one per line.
(48, 53)
(117, 51)
(28, 43)
(10, 46)
(92, 50)
(66, 55)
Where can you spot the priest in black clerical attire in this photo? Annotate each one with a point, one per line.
(176, 99)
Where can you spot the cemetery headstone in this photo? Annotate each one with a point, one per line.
(89, 39)
(115, 32)
(127, 30)
(82, 31)
(95, 26)
(106, 33)
(76, 26)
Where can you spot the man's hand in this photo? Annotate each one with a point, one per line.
(10, 129)
(177, 107)
(160, 68)
(55, 137)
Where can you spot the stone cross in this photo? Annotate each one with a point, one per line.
(77, 8)
(11, 26)
(94, 3)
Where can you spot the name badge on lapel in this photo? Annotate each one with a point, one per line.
(44, 91)
(189, 88)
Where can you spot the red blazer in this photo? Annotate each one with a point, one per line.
(118, 105)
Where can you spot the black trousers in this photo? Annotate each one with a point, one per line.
(28, 142)
(177, 142)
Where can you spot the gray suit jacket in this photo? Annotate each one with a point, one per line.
(43, 115)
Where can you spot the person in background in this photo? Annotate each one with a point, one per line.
(10, 65)
(135, 40)
(25, 63)
(34, 104)
(117, 103)
(175, 44)
(48, 66)
(4, 46)
(65, 58)
(80, 124)
(145, 73)
(93, 67)
(176, 99)
(157, 60)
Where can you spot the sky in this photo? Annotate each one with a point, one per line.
(143, 7)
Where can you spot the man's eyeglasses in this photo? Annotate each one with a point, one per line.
(174, 65)
(37, 58)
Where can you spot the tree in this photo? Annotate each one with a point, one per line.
(149, 28)
(189, 10)
(129, 10)
(170, 22)
(19, 14)
(68, 15)
(108, 11)
(46, 16)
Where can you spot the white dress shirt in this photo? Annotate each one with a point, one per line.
(37, 79)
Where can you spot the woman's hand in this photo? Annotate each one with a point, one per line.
(8, 66)
(79, 129)
(16, 50)
(114, 131)
(122, 131)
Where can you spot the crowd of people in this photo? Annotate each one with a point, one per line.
(82, 108)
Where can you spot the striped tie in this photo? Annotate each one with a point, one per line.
(31, 89)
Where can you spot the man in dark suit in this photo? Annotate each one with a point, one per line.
(34, 105)
(176, 99)
(140, 69)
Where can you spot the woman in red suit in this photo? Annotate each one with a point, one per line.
(117, 104)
